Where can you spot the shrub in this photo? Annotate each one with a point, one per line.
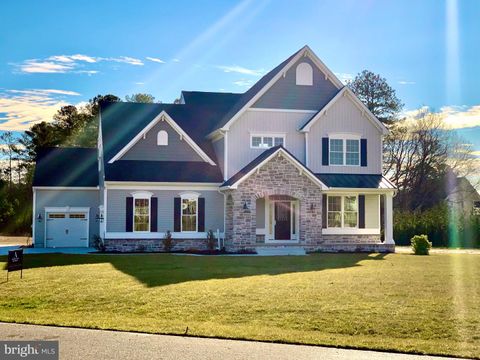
(420, 244)
(98, 243)
(211, 240)
(168, 241)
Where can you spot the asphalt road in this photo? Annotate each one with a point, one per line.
(100, 344)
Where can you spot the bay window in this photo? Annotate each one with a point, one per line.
(342, 211)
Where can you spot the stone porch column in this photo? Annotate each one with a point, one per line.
(388, 215)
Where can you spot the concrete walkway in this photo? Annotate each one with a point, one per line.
(100, 344)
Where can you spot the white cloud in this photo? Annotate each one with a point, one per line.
(243, 83)
(20, 109)
(139, 83)
(44, 91)
(126, 60)
(176, 60)
(157, 60)
(240, 70)
(344, 77)
(45, 67)
(405, 82)
(454, 117)
(71, 64)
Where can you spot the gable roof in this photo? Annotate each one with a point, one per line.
(121, 121)
(345, 91)
(263, 158)
(358, 181)
(262, 85)
(163, 116)
(69, 167)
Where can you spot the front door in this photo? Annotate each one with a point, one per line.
(282, 220)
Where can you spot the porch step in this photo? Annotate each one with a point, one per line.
(280, 250)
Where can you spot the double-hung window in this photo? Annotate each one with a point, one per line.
(189, 213)
(342, 211)
(141, 212)
(344, 151)
(266, 141)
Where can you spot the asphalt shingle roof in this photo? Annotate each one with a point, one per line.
(163, 171)
(76, 167)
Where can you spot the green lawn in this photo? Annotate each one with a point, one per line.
(397, 302)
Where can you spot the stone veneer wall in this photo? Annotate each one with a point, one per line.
(153, 245)
(277, 177)
(352, 243)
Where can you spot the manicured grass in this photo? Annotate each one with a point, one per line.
(428, 304)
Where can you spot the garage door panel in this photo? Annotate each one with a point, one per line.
(67, 229)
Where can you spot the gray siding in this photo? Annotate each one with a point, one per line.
(116, 209)
(61, 198)
(255, 121)
(219, 147)
(345, 117)
(147, 149)
(285, 94)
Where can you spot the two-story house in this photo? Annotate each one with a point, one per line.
(294, 161)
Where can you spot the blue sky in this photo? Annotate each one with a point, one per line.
(53, 53)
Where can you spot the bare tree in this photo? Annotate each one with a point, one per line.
(419, 155)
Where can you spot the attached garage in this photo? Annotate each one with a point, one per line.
(66, 198)
(66, 227)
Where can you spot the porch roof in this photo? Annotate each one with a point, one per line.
(358, 181)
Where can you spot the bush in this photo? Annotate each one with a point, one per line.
(211, 240)
(420, 244)
(168, 241)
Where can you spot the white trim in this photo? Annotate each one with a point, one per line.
(342, 211)
(341, 191)
(267, 135)
(350, 231)
(295, 162)
(142, 195)
(105, 207)
(34, 216)
(163, 116)
(61, 188)
(344, 138)
(189, 195)
(304, 74)
(66, 209)
(302, 111)
(356, 101)
(162, 138)
(305, 51)
(388, 218)
(113, 185)
(225, 157)
(157, 235)
(306, 149)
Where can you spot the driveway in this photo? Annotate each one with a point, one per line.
(101, 344)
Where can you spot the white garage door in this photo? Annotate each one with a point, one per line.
(67, 229)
